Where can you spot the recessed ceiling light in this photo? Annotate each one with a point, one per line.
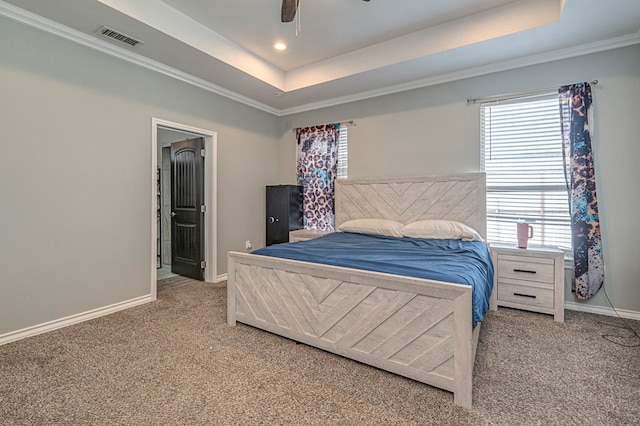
(280, 46)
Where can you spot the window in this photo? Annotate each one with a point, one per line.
(343, 157)
(522, 155)
(321, 153)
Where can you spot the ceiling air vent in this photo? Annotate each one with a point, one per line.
(118, 36)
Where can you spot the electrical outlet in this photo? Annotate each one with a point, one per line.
(248, 245)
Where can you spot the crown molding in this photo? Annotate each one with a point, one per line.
(31, 19)
(541, 58)
(47, 25)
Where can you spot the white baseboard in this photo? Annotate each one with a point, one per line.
(12, 336)
(96, 313)
(602, 310)
(72, 319)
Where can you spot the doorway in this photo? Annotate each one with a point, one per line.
(163, 134)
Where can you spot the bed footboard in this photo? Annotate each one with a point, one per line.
(413, 327)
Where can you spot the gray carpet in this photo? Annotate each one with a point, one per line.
(175, 361)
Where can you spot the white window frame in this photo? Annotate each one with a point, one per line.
(521, 152)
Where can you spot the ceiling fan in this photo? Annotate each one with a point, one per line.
(289, 7)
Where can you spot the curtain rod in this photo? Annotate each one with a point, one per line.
(509, 96)
(347, 123)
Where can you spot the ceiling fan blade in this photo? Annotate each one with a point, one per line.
(288, 11)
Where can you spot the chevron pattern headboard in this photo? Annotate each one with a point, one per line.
(460, 197)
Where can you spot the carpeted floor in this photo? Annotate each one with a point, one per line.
(175, 361)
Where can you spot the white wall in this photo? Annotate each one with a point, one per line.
(75, 128)
(433, 130)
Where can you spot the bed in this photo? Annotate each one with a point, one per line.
(416, 327)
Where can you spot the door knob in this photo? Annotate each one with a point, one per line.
(173, 214)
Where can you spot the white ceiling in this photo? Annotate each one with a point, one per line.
(344, 49)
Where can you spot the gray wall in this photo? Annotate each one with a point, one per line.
(433, 130)
(75, 127)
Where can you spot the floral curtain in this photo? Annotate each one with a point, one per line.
(317, 154)
(575, 104)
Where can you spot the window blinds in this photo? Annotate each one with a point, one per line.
(343, 153)
(522, 155)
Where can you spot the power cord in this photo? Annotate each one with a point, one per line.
(626, 325)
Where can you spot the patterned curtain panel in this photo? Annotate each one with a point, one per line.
(575, 104)
(317, 153)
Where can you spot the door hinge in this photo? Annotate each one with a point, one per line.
(203, 264)
(202, 153)
(203, 208)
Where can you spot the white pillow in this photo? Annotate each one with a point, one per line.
(441, 229)
(390, 228)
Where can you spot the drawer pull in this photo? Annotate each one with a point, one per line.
(531, 296)
(525, 271)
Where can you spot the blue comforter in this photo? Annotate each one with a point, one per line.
(456, 261)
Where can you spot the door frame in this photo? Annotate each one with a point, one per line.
(210, 197)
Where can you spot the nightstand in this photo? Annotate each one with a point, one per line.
(306, 234)
(531, 279)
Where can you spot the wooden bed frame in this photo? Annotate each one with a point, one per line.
(413, 327)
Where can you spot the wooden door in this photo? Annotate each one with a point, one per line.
(187, 208)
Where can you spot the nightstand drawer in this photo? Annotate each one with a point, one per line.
(531, 279)
(539, 270)
(525, 295)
